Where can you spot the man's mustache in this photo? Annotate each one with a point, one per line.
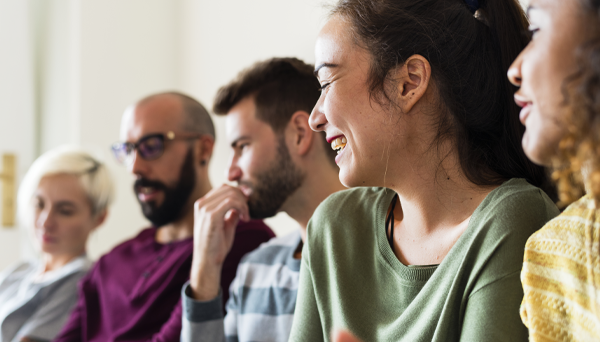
(143, 182)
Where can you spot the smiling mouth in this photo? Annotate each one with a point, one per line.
(146, 193)
(339, 144)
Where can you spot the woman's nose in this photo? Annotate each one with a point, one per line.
(317, 119)
(45, 220)
(514, 72)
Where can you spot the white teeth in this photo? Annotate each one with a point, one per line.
(339, 144)
(146, 190)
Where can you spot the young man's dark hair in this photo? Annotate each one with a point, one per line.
(279, 86)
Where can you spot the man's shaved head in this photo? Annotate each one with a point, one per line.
(196, 117)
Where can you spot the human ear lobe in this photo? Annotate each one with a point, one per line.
(303, 134)
(205, 148)
(413, 81)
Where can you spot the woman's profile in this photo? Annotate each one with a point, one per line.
(559, 78)
(428, 244)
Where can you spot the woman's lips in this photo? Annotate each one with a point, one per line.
(525, 107)
(524, 113)
(49, 239)
(338, 142)
(329, 140)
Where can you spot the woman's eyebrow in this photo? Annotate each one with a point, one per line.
(324, 65)
(65, 204)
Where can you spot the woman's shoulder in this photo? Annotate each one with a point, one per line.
(506, 218)
(350, 200)
(18, 270)
(516, 203)
(349, 212)
(572, 227)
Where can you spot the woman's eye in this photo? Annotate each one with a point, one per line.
(321, 88)
(66, 212)
(533, 29)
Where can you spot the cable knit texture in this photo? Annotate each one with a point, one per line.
(561, 277)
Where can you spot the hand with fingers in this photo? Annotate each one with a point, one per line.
(216, 216)
(343, 336)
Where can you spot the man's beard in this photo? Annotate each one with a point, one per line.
(275, 185)
(175, 198)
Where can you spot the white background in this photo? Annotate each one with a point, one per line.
(68, 69)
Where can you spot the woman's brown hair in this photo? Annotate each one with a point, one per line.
(469, 54)
(577, 165)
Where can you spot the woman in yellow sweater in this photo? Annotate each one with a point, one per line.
(559, 78)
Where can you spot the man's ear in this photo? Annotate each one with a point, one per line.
(301, 136)
(204, 149)
(413, 80)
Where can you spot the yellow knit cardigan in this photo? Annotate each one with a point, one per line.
(561, 277)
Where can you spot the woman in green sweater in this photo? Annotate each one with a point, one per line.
(429, 246)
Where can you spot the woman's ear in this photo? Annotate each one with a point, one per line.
(100, 218)
(300, 133)
(413, 80)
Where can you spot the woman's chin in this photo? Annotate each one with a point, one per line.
(350, 179)
(535, 151)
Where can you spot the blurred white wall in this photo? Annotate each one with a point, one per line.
(220, 38)
(95, 57)
(17, 110)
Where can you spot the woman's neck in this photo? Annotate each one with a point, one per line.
(434, 208)
(53, 261)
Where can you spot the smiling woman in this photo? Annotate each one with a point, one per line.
(559, 78)
(414, 97)
(63, 198)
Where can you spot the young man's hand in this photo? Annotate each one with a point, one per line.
(343, 336)
(216, 216)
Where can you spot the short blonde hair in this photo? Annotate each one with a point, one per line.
(93, 176)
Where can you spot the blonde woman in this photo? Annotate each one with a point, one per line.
(63, 198)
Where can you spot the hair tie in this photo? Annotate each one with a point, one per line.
(473, 5)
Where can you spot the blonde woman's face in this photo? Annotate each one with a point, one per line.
(62, 215)
(541, 70)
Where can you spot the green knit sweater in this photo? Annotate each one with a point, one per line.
(350, 278)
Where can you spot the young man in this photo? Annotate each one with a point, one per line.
(279, 164)
(133, 292)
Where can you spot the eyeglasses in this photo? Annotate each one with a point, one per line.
(149, 147)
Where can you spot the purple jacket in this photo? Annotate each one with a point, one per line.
(133, 292)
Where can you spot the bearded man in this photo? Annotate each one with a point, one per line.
(133, 292)
(280, 165)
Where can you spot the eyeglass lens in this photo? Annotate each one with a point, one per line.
(149, 148)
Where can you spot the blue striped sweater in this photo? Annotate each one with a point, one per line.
(261, 303)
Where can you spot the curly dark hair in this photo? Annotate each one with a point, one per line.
(469, 56)
(577, 165)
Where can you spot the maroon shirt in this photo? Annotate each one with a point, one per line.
(133, 292)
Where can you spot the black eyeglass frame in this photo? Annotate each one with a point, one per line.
(131, 147)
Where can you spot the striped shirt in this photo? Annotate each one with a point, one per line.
(262, 298)
(561, 277)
